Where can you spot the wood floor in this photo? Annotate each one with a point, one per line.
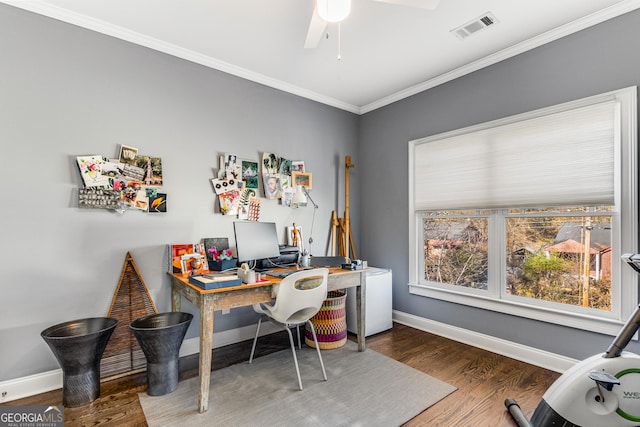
(484, 380)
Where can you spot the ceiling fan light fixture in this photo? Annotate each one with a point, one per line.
(333, 10)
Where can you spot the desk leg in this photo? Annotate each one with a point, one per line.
(206, 345)
(176, 299)
(361, 292)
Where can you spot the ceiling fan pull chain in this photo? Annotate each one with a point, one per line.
(339, 42)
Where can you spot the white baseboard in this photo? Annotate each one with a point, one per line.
(533, 356)
(19, 388)
(232, 336)
(30, 385)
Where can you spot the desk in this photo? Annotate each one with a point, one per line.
(209, 301)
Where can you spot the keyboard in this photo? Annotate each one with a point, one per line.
(280, 274)
(285, 273)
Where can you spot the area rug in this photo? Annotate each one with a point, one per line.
(363, 389)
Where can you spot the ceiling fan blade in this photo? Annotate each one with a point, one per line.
(316, 30)
(423, 4)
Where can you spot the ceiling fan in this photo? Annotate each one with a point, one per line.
(326, 11)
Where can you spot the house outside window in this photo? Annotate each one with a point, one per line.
(530, 215)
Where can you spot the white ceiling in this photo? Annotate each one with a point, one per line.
(388, 52)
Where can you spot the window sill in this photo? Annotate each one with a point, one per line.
(543, 314)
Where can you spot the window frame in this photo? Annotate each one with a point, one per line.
(624, 233)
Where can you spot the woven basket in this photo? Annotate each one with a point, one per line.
(330, 323)
(130, 301)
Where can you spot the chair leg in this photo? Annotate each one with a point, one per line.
(255, 340)
(315, 340)
(295, 358)
(298, 333)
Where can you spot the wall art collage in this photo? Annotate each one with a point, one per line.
(131, 181)
(238, 183)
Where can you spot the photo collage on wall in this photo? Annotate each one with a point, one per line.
(236, 186)
(279, 177)
(238, 181)
(130, 181)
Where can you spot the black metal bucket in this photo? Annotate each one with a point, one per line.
(160, 337)
(78, 345)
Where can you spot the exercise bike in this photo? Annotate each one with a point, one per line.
(600, 391)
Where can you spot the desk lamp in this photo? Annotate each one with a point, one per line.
(300, 198)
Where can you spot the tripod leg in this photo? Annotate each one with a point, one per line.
(353, 246)
(334, 225)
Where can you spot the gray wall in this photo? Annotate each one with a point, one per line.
(596, 60)
(65, 92)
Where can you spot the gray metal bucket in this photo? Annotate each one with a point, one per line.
(160, 337)
(78, 345)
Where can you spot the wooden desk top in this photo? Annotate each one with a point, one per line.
(184, 278)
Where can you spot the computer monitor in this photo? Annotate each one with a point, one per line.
(256, 240)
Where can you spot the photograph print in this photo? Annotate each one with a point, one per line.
(297, 166)
(250, 174)
(270, 164)
(302, 178)
(272, 186)
(128, 154)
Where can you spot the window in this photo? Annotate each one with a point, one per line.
(529, 215)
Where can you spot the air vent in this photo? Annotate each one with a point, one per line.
(475, 25)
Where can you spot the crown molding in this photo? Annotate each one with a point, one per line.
(99, 26)
(618, 9)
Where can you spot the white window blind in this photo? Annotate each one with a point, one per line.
(558, 158)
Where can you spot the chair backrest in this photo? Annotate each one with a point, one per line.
(300, 296)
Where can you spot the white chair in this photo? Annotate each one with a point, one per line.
(299, 297)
